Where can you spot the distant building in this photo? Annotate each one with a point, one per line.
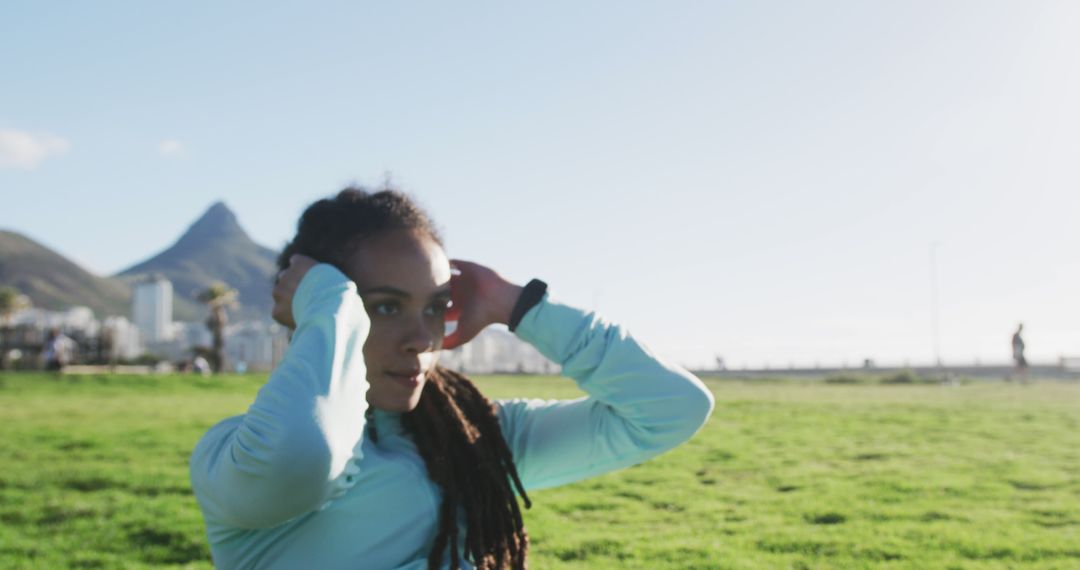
(191, 334)
(120, 339)
(497, 350)
(184, 338)
(73, 319)
(152, 309)
(255, 346)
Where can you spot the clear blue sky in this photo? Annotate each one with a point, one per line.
(759, 180)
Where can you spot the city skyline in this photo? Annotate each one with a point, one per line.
(757, 183)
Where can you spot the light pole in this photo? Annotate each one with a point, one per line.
(934, 304)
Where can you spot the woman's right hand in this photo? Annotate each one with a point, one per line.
(285, 285)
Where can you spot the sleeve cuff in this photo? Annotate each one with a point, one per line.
(550, 328)
(319, 278)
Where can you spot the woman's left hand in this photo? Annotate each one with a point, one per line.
(479, 297)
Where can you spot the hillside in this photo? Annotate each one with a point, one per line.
(53, 282)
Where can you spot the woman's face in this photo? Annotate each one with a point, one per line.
(404, 279)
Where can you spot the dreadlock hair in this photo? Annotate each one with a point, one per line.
(454, 427)
(474, 467)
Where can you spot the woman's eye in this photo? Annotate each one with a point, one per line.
(438, 308)
(384, 308)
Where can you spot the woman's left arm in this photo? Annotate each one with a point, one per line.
(637, 406)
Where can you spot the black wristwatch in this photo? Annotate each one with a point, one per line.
(530, 296)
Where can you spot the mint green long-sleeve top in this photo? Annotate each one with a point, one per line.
(297, 482)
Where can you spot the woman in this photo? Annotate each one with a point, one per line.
(361, 452)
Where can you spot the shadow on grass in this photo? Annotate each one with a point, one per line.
(825, 518)
(592, 549)
(165, 546)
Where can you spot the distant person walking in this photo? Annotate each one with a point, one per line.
(58, 351)
(200, 366)
(1021, 365)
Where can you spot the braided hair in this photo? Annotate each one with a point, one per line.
(454, 427)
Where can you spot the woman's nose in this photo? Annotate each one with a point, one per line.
(419, 338)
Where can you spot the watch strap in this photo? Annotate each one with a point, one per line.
(532, 294)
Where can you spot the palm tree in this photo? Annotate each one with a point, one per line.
(218, 297)
(11, 302)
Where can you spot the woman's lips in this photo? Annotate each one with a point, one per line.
(407, 379)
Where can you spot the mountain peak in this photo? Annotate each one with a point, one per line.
(218, 206)
(215, 231)
(214, 248)
(218, 222)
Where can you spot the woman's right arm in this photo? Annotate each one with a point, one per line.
(294, 448)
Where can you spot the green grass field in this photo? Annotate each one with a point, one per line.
(93, 474)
